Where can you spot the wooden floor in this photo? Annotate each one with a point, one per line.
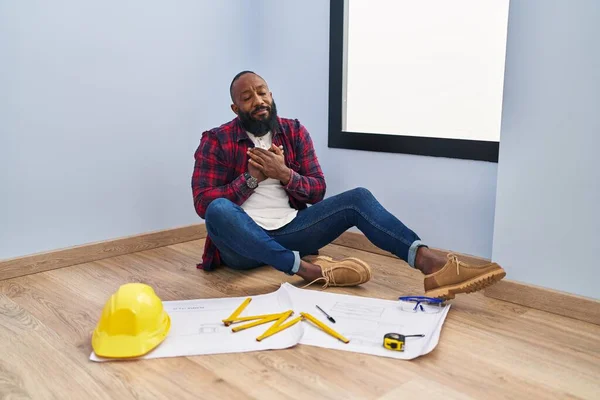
(488, 349)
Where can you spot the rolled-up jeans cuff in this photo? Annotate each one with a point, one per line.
(296, 266)
(412, 252)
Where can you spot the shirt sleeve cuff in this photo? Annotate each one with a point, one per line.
(295, 184)
(294, 180)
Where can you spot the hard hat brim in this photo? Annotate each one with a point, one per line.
(127, 346)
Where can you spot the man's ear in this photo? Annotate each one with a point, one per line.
(235, 109)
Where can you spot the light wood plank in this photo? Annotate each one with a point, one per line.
(31, 264)
(424, 389)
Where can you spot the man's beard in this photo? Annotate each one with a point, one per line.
(260, 127)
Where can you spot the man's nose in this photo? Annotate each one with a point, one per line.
(258, 101)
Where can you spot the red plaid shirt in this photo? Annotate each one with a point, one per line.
(221, 161)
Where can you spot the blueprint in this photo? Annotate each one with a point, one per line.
(364, 321)
(197, 327)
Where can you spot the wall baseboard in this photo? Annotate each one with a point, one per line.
(40, 262)
(556, 302)
(540, 298)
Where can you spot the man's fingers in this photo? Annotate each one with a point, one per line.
(258, 150)
(256, 165)
(254, 155)
(277, 150)
(265, 155)
(268, 154)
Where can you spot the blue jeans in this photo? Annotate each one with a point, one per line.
(245, 245)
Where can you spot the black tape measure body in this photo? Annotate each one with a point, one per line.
(396, 341)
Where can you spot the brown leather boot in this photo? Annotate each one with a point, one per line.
(458, 277)
(349, 271)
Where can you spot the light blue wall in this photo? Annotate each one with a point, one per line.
(547, 229)
(450, 203)
(102, 104)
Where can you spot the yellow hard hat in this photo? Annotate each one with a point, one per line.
(133, 322)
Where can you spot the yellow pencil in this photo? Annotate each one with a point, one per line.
(324, 327)
(248, 318)
(279, 328)
(237, 311)
(275, 317)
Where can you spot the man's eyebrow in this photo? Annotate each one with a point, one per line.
(245, 92)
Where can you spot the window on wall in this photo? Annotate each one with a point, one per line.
(417, 77)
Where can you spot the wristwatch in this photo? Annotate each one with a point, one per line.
(251, 181)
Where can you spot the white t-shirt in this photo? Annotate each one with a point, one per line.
(269, 205)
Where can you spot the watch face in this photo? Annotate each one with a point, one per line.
(251, 182)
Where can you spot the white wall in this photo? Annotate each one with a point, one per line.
(547, 229)
(448, 202)
(102, 105)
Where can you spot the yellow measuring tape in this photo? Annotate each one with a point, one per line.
(396, 341)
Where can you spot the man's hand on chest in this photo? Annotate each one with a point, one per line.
(270, 162)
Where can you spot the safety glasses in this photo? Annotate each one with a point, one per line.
(427, 305)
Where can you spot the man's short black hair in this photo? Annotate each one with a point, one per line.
(235, 78)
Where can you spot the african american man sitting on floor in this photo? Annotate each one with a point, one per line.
(253, 180)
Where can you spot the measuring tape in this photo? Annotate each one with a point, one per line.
(396, 341)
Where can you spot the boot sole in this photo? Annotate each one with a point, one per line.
(472, 285)
(359, 261)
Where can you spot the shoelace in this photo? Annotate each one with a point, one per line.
(328, 277)
(453, 258)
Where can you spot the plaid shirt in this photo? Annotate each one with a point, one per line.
(221, 162)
